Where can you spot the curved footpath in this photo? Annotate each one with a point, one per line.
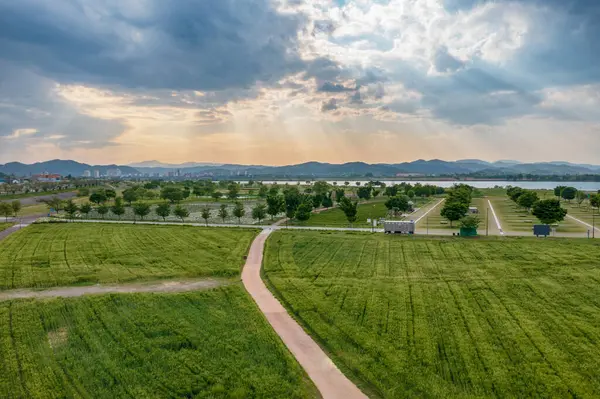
(328, 379)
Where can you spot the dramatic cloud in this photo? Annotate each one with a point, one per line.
(271, 81)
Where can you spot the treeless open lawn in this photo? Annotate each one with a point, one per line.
(447, 317)
(44, 255)
(209, 344)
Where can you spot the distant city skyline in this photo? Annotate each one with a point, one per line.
(278, 82)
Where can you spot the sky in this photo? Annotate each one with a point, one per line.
(279, 82)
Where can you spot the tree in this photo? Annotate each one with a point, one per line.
(102, 210)
(376, 193)
(411, 194)
(275, 205)
(16, 207)
(181, 212)
(397, 204)
(223, 214)
(316, 200)
(263, 191)
(350, 209)
(327, 202)
(303, 212)
(364, 192)
(71, 209)
(141, 209)
(558, 191)
(259, 212)
(392, 191)
(569, 193)
(454, 210)
(239, 211)
(595, 200)
(274, 190)
(233, 191)
(172, 194)
(346, 183)
(98, 197)
(292, 200)
(216, 195)
(549, 211)
(470, 222)
(527, 199)
(110, 193)
(163, 210)
(130, 195)
(321, 187)
(118, 209)
(205, 213)
(85, 209)
(580, 197)
(5, 210)
(339, 194)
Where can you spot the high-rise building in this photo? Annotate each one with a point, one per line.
(96, 173)
(87, 173)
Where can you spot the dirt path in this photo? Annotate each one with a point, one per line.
(328, 379)
(69, 292)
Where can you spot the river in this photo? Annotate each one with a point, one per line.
(530, 185)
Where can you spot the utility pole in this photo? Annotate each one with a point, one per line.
(593, 224)
(427, 225)
(487, 221)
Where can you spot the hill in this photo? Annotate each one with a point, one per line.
(61, 167)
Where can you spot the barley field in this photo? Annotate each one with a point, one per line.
(447, 317)
(45, 255)
(209, 344)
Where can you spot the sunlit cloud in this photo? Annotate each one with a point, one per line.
(294, 81)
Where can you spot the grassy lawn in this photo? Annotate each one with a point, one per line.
(374, 209)
(444, 317)
(4, 197)
(583, 212)
(437, 222)
(4, 226)
(75, 253)
(514, 218)
(209, 344)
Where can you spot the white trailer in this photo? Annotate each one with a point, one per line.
(399, 227)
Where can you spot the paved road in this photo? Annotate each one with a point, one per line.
(328, 379)
(68, 292)
(24, 222)
(35, 200)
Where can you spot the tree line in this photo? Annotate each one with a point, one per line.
(548, 211)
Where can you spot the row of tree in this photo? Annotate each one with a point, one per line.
(8, 209)
(547, 211)
(457, 203)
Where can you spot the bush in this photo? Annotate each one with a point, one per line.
(470, 222)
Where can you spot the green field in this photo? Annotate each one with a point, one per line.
(57, 254)
(4, 226)
(516, 219)
(437, 222)
(209, 344)
(374, 209)
(444, 317)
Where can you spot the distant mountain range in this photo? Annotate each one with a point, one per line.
(435, 167)
(60, 167)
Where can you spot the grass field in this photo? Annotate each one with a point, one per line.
(437, 222)
(444, 317)
(209, 344)
(6, 197)
(374, 209)
(583, 212)
(57, 254)
(4, 226)
(514, 218)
